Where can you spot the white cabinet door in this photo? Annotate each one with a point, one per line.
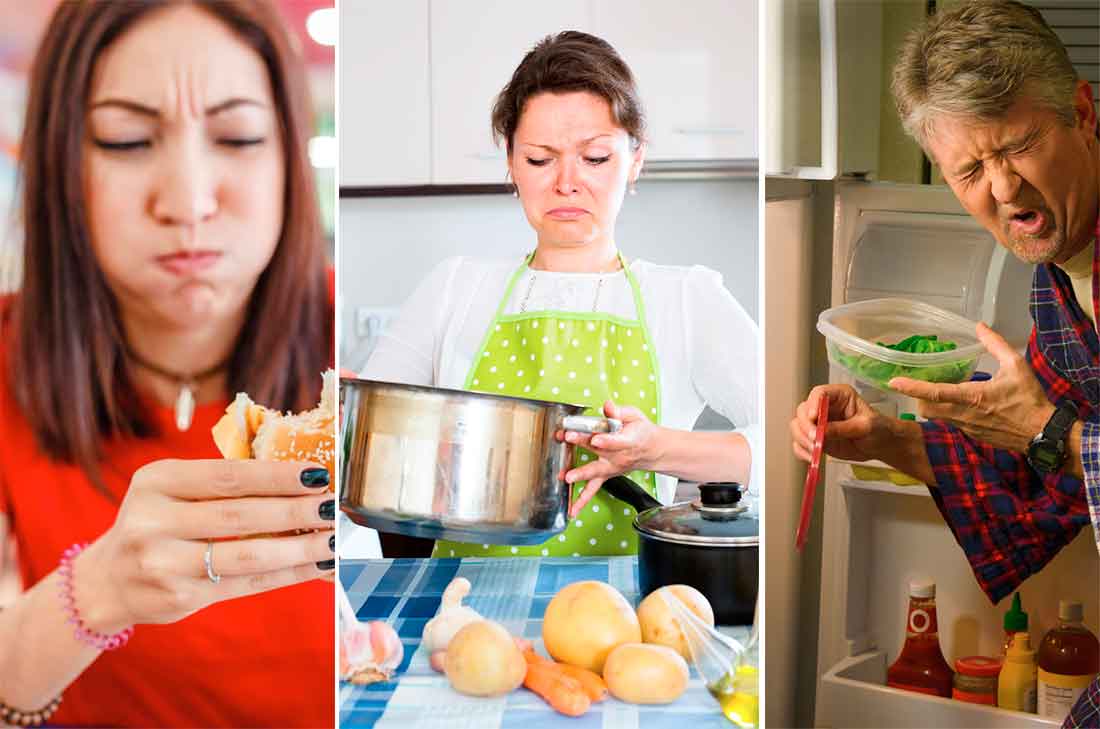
(384, 93)
(475, 47)
(696, 67)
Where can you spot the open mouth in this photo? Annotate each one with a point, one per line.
(1028, 222)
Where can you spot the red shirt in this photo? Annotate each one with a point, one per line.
(264, 660)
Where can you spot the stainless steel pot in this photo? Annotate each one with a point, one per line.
(451, 464)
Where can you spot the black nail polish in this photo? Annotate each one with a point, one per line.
(314, 478)
(328, 510)
(328, 564)
(332, 543)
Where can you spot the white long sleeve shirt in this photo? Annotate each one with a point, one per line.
(706, 344)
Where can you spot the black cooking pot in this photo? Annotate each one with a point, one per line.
(711, 544)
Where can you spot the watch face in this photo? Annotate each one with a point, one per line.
(1044, 456)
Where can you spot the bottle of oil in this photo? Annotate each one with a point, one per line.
(921, 665)
(1069, 658)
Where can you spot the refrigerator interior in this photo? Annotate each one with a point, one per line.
(916, 242)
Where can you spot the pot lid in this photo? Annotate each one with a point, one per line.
(715, 519)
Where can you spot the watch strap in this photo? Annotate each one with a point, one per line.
(1061, 422)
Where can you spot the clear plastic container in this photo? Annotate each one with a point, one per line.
(853, 333)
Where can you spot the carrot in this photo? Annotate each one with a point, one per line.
(533, 656)
(591, 682)
(564, 694)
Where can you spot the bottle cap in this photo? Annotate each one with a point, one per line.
(922, 588)
(1070, 611)
(981, 666)
(1020, 650)
(1015, 618)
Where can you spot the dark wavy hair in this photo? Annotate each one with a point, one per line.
(565, 62)
(66, 364)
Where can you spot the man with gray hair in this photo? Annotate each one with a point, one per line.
(1013, 464)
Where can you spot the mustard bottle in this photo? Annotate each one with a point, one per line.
(1017, 683)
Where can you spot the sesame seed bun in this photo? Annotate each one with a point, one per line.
(248, 430)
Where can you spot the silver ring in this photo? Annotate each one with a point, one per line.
(208, 559)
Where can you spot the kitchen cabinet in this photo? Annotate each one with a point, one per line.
(696, 72)
(475, 47)
(418, 81)
(383, 123)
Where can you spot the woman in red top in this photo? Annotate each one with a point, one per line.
(172, 243)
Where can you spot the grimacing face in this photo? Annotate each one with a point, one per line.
(1027, 177)
(571, 164)
(184, 170)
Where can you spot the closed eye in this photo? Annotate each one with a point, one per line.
(537, 162)
(241, 141)
(970, 175)
(597, 160)
(122, 146)
(1023, 148)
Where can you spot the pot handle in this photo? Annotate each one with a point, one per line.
(624, 489)
(591, 424)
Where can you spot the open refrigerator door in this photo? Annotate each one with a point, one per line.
(915, 242)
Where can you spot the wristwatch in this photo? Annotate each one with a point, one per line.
(1047, 451)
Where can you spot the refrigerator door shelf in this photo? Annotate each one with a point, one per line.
(886, 487)
(853, 694)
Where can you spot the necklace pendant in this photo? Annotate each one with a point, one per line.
(185, 406)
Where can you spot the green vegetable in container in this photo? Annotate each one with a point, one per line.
(920, 344)
(880, 373)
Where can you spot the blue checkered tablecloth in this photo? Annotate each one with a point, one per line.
(514, 592)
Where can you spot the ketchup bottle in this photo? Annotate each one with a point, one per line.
(921, 666)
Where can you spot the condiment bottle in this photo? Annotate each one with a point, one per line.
(1069, 658)
(921, 665)
(1015, 622)
(1016, 684)
(976, 680)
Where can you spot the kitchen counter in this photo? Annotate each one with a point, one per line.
(514, 592)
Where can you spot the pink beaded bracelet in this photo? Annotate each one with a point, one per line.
(80, 630)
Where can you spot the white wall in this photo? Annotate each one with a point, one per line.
(388, 244)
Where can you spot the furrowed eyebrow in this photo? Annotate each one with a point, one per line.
(548, 148)
(965, 169)
(143, 110)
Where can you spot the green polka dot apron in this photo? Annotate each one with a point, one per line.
(577, 358)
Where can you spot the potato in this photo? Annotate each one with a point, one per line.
(483, 660)
(659, 624)
(585, 620)
(643, 673)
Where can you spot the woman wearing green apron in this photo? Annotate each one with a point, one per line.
(576, 322)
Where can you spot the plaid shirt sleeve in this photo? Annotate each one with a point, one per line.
(1009, 520)
(1085, 714)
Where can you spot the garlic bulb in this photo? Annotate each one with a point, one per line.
(369, 652)
(452, 616)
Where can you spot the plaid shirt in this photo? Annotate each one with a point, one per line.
(1086, 712)
(1009, 520)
